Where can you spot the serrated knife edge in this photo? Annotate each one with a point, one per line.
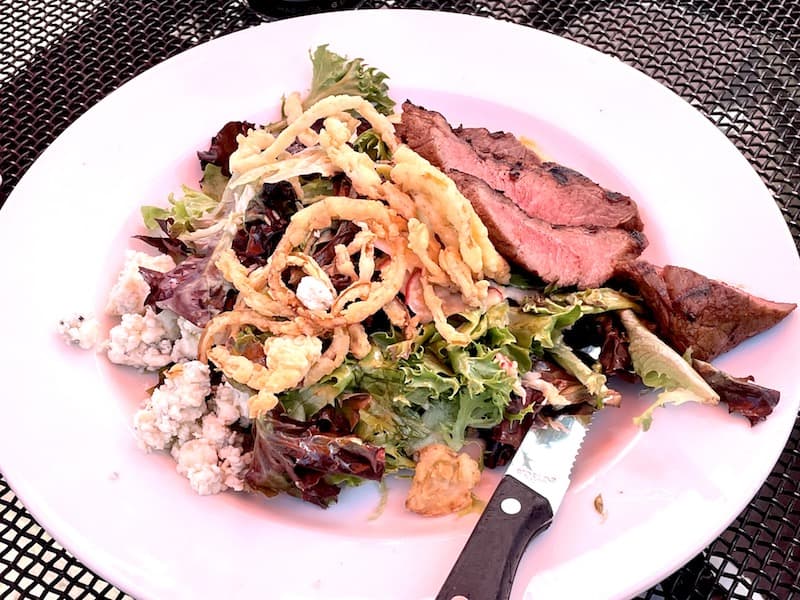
(545, 459)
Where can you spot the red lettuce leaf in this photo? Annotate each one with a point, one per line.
(296, 456)
(167, 245)
(614, 355)
(503, 439)
(265, 221)
(325, 252)
(605, 332)
(255, 242)
(741, 394)
(195, 289)
(223, 144)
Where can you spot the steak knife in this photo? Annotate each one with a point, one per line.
(521, 507)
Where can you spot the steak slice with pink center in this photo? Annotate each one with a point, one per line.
(547, 191)
(565, 255)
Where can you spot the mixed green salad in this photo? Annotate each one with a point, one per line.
(303, 268)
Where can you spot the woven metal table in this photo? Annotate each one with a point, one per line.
(738, 62)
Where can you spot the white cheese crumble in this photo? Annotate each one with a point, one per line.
(197, 461)
(175, 407)
(130, 290)
(178, 418)
(152, 340)
(80, 331)
(185, 347)
(314, 294)
(230, 404)
(181, 416)
(144, 341)
(214, 461)
(234, 463)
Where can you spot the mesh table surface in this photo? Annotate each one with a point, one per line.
(738, 62)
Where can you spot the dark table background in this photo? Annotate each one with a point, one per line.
(738, 62)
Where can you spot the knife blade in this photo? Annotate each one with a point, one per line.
(528, 495)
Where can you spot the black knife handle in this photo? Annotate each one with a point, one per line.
(486, 566)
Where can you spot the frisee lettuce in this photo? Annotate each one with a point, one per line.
(423, 390)
(333, 74)
(543, 317)
(431, 391)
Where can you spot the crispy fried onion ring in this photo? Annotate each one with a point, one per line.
(434, 303)
(361, 298)
(330, 360)
(267, 303)
(413, 214)
(227, 324)
(294, 354)
(288, 360)
(450, 216)
(256, 149)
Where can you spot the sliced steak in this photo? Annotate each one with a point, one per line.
(498, 145)
(693, 311)
(565, 255)
(548, 191)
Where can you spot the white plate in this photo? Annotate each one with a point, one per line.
(65, 438)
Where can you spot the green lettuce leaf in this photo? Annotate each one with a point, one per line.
(660, 367)
(523, 280)
(334, 74)
(372, 145)
(399, 430)
(315, 187)
(542, 328)
(301, 404)
(411, 381)
(213, 182)
(595, 300)
(541, 321)
(424, 390)
(593, 380)
(484, 394)
(187, 213)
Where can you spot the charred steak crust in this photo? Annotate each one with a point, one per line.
(562, 254)
(693, 311)
(547, 191)
(498, 145)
